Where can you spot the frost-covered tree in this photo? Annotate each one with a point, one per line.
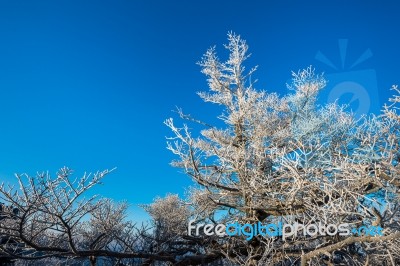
(270, 159)
(51, 220)
(288, 159)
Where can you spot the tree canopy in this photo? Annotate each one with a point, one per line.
(273, 160)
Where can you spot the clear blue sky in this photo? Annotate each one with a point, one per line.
(88, 84)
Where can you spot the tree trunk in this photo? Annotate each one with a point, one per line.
(92, 260)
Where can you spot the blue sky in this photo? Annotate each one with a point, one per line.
(88, 84)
